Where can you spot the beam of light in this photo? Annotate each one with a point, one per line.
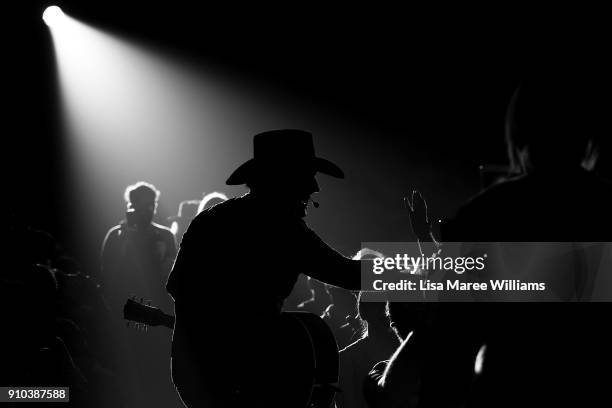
(53, 15)
(131, 113)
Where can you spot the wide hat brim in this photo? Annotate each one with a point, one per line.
(248, 170)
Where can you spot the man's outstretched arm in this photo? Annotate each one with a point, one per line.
(324, 263)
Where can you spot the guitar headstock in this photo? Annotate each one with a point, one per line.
(143, 315)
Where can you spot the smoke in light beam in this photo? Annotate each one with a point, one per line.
(132, 113)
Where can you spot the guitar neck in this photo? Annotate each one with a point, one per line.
(146, 314)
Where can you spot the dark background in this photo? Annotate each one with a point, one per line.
(422, 97)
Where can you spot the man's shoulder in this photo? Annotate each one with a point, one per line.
(161, 229)
(116, 228)
(114, 231)
(228, 205)
(219, 216)
(227, 208)
(164, 233)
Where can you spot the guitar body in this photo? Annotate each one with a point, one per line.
(326, 358)
(291, 362)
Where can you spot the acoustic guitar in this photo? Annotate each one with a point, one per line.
(310, 374)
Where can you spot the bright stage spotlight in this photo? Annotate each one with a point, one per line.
(53, 15)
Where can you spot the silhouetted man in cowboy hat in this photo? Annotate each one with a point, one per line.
(237, 263)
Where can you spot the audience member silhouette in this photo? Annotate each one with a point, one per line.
(137, 254)
(86, 321)
(537, 354)
(376, 344)
(188, 209)
(395, 381)
(32, 351)
(237, 263)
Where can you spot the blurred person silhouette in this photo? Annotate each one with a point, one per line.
(537, 354)
(86, 322)
(188, 209)
(551, 129)
(377, 343)
(237, 263)
(80, 300)
(137, 256)
(210, 200)
(31, 349)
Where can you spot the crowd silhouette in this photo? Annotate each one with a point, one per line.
(234, 344)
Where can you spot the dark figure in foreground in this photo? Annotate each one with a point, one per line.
(537, 354)
(237, 263)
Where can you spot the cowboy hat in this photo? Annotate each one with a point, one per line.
(283, 150)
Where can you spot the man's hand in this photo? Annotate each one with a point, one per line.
(419, 219)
